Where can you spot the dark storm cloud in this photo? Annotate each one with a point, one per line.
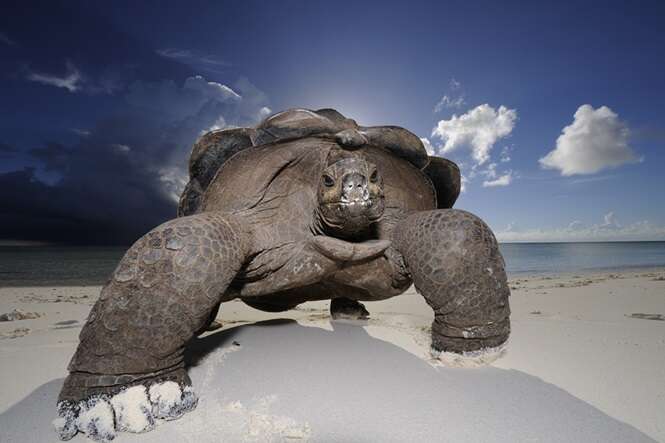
(71, 46)
(124, 178)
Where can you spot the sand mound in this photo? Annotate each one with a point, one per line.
(286, 382)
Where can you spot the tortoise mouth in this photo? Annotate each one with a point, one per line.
(346, 219)
(345, 209)
(350, 203)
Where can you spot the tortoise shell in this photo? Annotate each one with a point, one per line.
(215, 148)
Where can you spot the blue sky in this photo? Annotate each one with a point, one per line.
(553, 110)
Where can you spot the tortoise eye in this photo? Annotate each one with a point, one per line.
(374, 177)
(328, 180)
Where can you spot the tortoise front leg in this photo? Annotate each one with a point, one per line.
(456, 265)
(129, 367)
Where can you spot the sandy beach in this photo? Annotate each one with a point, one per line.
(586, 357)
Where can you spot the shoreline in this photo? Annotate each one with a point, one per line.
(585, 272)
(573, 330)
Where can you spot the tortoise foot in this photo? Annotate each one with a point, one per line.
(101, 413)
(469, 359)
(346, 309)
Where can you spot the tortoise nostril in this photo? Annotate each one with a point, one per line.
(354, 186)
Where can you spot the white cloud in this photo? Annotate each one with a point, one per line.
(596, 140)
(74, 80)
(449, 102)
(173, 180)
(81, 132)
(608, 230)
(121, 148)
(193, 57)
(472, 172)
(263, 113)
(592, 179)
(503, 180)
(221, 123)
(512, 226)
(452, 100)
(213, 90)
(217, 125)
(71, 81)
(479, 129)
(428, 146)
(610, 221)
(464, 181)
(575, 225)
(504, 157)
(490, 171)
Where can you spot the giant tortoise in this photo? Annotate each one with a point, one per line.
(308, 205)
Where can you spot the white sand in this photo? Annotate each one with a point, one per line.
(287, 383)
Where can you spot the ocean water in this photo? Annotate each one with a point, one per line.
(74, 266)
(551, 258)
(57, 265)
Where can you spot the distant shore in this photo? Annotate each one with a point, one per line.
(598, 335)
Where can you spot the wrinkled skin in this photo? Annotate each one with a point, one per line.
(350, 196)
(306, 206)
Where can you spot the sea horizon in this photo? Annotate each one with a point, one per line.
(71, 265)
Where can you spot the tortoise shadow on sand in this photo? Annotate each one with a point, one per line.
(200, 347)
(348, 386)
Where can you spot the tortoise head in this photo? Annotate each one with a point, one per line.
(350, 195)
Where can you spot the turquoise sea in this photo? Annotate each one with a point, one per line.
(68, 265)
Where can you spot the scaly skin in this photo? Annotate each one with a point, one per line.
(302, 207)
(456, 265)
(160, 295)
